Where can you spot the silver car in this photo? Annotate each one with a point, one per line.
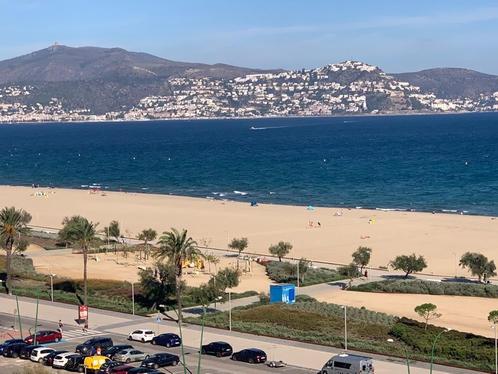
(130, 355)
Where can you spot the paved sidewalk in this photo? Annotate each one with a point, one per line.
(294, 353)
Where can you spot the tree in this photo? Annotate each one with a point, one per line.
(280, 250)
(211, 259)
(361, 257)
(304, 266)
(82, 232)
(478, 265)
(409, 264)
(113, 231)
(159, 284)
(176, 247)
(427, 311)
(238, 244)
(147, 236)
(493, 317)
(226, 278)
(13, 224)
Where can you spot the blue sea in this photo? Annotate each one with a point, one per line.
(444, 163)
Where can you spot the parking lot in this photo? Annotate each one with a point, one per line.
(73, 336)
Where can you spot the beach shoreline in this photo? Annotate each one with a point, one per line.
(321, 233)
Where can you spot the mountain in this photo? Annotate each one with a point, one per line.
(60, 63)
(62, 83)
(451, 83)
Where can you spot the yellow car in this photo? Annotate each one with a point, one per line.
(93, 363)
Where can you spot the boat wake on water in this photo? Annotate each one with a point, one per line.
(267, 128)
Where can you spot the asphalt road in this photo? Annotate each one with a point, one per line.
(73, 336)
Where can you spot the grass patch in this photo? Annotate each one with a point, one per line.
(418, 286)
(322, 323)
(285, 272)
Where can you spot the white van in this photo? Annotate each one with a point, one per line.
(348, 364)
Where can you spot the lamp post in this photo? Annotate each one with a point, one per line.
(230, 310)
(494, 327)
(345, 326)
(297, 283)
(52, 286)
(202, 332)
(434, 346)
(132, 298)
(406, 353)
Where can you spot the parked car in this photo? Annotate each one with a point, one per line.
(250, 355)
(218, 349)
(48, 360)
(93, 363)
(122, 369)
(142, 335)
(75, 363)
(348, 364)
(89, 348)
(130, 355)
(43, 337)
(167, 340)
(108, 365)
(159, 360)
(8, 342)
(13, 350)
(111, 351)
(143, 370)
(61, 360)
(26, 351)
(38, 354)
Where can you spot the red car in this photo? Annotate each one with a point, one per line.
(42, 337)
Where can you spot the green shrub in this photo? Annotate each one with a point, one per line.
(418, 286)
(286, 272)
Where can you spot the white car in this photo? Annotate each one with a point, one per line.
(38, 354)
(142, 335)
(61, 359)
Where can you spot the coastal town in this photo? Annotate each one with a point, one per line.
(346, 88)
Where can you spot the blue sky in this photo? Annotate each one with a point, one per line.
(396, 35)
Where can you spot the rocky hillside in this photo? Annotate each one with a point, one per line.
(451, 83)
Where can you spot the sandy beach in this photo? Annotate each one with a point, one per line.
(441, 238)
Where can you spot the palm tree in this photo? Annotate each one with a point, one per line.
(146, 236)
(78, 229)
(211, 259)
(176, 247)
(13, 223)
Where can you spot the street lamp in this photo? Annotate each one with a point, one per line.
(434, 346)
(345, 326)
(132, 298)
(52, 286)
(406, 353)
(494, 327)
(202, 331)
(230, 310)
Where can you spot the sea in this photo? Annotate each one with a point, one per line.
(435, 163)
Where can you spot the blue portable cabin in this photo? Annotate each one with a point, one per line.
(283, 293)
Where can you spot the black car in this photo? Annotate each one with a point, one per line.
(75, 363)
(143, 370)
(13, 350)
(251, 355)
(167, 340)
(111, 351)
(25, 353)
(8, 342)
(160, 360)
(218, 349)
(89, 348)
(107, 366)
(48, 360)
